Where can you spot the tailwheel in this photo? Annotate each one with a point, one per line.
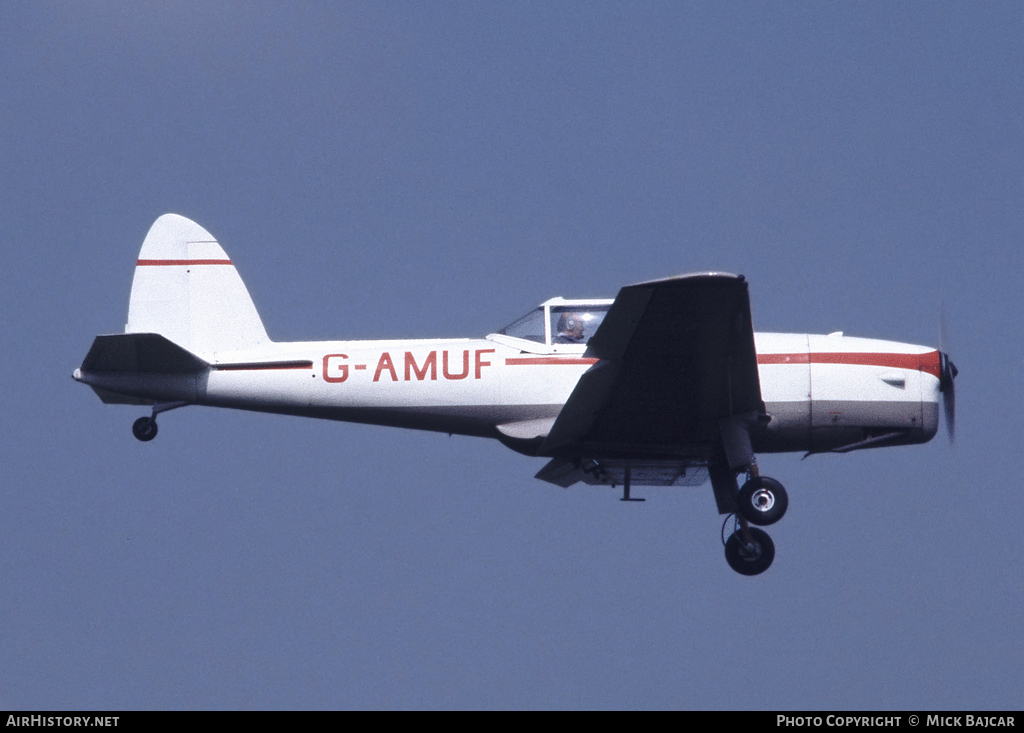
(749, 551)
(144, 428)
(762, 501)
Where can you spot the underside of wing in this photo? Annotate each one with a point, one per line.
(676, 358)
(565, 472)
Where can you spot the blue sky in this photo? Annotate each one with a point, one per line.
(387, 170)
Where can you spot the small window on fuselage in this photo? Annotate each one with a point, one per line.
(529, 327)
(575, 324)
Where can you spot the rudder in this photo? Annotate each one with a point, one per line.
(186, 289)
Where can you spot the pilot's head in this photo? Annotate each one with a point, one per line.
(571, 325)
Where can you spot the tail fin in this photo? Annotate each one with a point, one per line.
(187, 290)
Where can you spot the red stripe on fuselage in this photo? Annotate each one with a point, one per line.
(548, 360)
(928, 362)
(263, 366)
(168, 263)
(802, 358)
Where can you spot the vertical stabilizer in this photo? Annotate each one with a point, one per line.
(187, 290)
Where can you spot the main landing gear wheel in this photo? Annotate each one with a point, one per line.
(144, 428)
(753, 557)
(762, 501)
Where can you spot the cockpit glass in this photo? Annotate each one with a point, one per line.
(529, 327)
(575, 324)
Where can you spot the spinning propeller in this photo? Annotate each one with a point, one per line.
(947, 373)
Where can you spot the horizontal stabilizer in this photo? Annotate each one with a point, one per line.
(113, 398)
(148, 353)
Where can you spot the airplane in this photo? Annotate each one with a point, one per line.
(667, 384)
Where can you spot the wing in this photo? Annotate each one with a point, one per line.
(675, 357)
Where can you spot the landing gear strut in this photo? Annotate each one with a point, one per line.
(761, 501)
(145, 427)
(749, 550)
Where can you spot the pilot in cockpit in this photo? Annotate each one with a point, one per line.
(570, 329)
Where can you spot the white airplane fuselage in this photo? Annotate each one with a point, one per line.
(822, 392)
